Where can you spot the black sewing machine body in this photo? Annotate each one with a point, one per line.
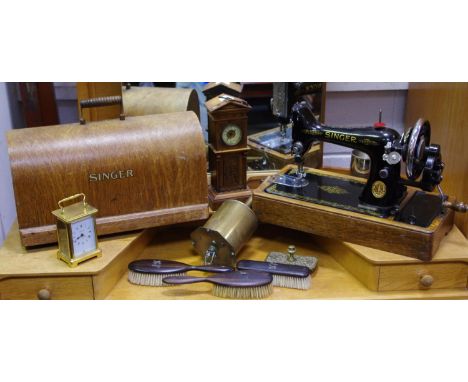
(388, 188)
(385, 189)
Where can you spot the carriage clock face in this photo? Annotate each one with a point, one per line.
(231, 135)
(83, 236)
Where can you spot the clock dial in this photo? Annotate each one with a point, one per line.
(231, 135)
(83, 236)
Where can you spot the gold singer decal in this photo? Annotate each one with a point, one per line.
(379, 189)
(368, 142)
(311, 132)
(340, 136)
(118, 174)
(334, 190)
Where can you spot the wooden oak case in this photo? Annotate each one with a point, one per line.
(140, 172)
(375, 232)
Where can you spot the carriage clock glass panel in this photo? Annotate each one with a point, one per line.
(83, 236)
(231, 135)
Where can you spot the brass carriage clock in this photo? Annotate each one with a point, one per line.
(76, 231)
(227, 138)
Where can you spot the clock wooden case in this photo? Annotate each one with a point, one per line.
(227, 153)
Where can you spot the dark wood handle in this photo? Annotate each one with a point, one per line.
(231, 279)
(156, 266)
(184, 280)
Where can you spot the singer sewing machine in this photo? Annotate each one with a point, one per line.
(387, 211)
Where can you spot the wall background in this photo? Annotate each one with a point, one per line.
(7, 201)
(348, 103)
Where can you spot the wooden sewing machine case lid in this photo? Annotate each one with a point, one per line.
(139, 172)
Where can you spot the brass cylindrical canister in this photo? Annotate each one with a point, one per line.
(224, 234)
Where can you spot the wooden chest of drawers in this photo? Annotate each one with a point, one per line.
(47, 288)
(384, 271)
(38, 274)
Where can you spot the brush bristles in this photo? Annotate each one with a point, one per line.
(292, 282)
(243, 293)
(150, 279)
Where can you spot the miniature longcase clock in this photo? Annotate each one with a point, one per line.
(227, 138)
(76, 231)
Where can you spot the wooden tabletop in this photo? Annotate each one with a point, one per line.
(17, 261)
(330, 281)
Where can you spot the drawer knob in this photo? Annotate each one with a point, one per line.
(43, 294)
(426, 281)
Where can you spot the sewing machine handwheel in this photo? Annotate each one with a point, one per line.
(418, 138)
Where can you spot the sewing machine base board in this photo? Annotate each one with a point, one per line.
(354, 227)
(328, 190)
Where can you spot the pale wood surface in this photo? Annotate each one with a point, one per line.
(407, 277)
(69, 288)
(16, 261)
(23, 273)
(385, 271)
(445, 105)
(354, 261)
(104, 281)
(453, 247)
(330, 281)
(102, 278)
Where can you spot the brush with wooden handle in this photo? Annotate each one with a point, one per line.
(150, 272)
(284, 275)
(235, 285)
